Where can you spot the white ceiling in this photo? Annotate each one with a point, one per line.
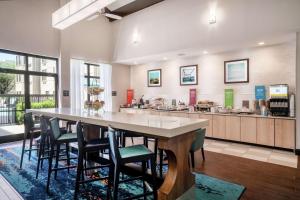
(175, 26)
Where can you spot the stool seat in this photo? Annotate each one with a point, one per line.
(134, 151)
(69, 137)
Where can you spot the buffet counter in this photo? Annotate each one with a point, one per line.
(249, 128)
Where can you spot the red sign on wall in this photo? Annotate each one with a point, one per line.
(129, 96)
(193, 97)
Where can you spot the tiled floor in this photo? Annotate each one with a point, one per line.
(7, 192)
(11, 130)
(279, 157)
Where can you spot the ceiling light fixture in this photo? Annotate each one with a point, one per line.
(136, 37)
(261, 43)
(205, 52)
(212, 13)
(75, 11)
(165, 58)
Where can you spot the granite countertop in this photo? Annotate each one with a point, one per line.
(218, 113)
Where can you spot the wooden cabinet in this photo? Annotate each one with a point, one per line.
(219, 126)
(248, 129)
(233, 128)
(164, 113)
(208, 132)
(285, 133)
(265, 131)
(178, 114)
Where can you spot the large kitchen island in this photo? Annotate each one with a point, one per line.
(175, 135)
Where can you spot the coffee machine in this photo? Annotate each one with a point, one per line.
(279, 100)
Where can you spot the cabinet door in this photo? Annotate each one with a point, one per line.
(265, 131)
(178, 114)
(219, 126)
(285, 133)
(208, 132)
(233, 128)
(164, 113)
(248, 129)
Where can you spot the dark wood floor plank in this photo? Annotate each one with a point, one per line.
(263, 180)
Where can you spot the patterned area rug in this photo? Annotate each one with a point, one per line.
(24, 181)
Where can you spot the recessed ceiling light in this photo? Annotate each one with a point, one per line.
(261, 43)
(165, 58)
(205, 52)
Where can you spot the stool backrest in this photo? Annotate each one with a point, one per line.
(113, 144)
(80, 136)
(28, 122)
(199, 141)
(54, 127)
(44, 124)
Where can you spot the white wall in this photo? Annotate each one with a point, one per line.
(268, 65)
(298, 91)
(92, 41)
(178, 25)
(120, 83)
(26, 26)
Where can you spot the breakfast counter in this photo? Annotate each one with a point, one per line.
(273, 131)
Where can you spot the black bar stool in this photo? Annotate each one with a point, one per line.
(57, 138)
(85, 147)
(131, 154)
(44, 147)
(30, 131)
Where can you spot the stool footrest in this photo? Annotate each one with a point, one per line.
(61, 168)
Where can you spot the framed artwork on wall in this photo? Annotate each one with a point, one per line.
(189, 75)
(236, 71)
(154, 78)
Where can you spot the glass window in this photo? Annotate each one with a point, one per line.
(12, 61)
(41, 65)
(94, 70)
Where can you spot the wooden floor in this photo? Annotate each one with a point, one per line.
(264, 181)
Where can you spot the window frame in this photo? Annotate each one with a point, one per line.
(88, 76)
(28, 73)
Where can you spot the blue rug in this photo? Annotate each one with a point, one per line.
(24, 181)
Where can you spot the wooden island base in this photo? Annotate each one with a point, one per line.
(179, 177)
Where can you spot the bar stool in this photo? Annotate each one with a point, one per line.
(30, 130)
(198, 144)
(131, 154)
(44, 146)
(57, 139)
(85, 147)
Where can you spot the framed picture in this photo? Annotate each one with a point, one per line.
(189, 75)
(154, 78)
(236, 71)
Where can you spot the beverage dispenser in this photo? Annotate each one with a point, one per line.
(279, 100)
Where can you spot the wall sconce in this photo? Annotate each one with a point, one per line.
(212, 14)
(136, 38)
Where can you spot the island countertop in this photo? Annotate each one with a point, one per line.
(156, 126)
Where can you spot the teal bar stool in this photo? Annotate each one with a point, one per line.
(198, 144)
(57, 138)
(131, 154)
(31, 130)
